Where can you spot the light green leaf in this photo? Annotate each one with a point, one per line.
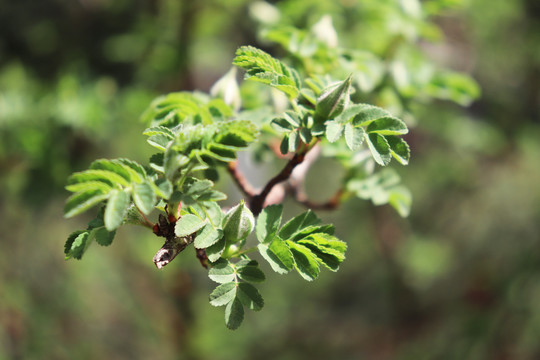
(380, 150)
(354, 136)
(207, 237)
(110, 178)
(89, 186)
(116, 209)
(262, 67)
(221, 272)
(401, 199)
(365, 114)
(234, 314)
(278, 255)
(223, 294)
(298, 223)
(304, 261)
(144, 197)
(162, 188)
(188, 224)
(214, 252)
(333, 130)
(388, 126)
(268, 223)
(80, 202)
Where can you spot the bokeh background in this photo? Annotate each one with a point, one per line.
(458, 279)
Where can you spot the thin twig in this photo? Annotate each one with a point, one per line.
(257, 201)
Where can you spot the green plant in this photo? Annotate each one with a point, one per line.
(196, 134)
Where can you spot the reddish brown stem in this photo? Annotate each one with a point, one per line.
(257, 202)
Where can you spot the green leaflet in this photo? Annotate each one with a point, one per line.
(207, 237)
(333, 100)
(268, 223)
(188, 224)
(116, 209)
(278, 255)
(80, 202)
(262, 67)
(379, 147)
(298, 223)
(234, 314)
(399, 148)
(354, 136)
(387, 126)
(235, 290)
(144, 197)
(304, 261)
(104, 237)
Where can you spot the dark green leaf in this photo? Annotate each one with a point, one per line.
(380, 150)
(116, 209)
(249, 296)
(313, 229)
(399, 148)
(104, 237)
(284, 146)
(78, 243)
(268, 223)
(251, 272)
(234, 314)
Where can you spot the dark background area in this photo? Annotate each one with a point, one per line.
(458, 279)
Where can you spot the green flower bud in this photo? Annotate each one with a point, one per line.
(238, 223)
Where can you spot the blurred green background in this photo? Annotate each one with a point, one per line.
(458, 279)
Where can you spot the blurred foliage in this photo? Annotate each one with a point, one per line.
(457, 279)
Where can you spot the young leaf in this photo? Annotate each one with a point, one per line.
(144, 197)
(380, 150)
(223, 294)
(268, 223)
(388, 126)
(116, 209)
(262, 67)
(298, 223)
(399, 148)
(89, 186)
(76, 244)
(278, 255)
(249, 296)
(234, 314)
(304, 261)
(365, 114)
(333, 130)
(108, 177)
(188, 224)
(354, 136)
(80, 202)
